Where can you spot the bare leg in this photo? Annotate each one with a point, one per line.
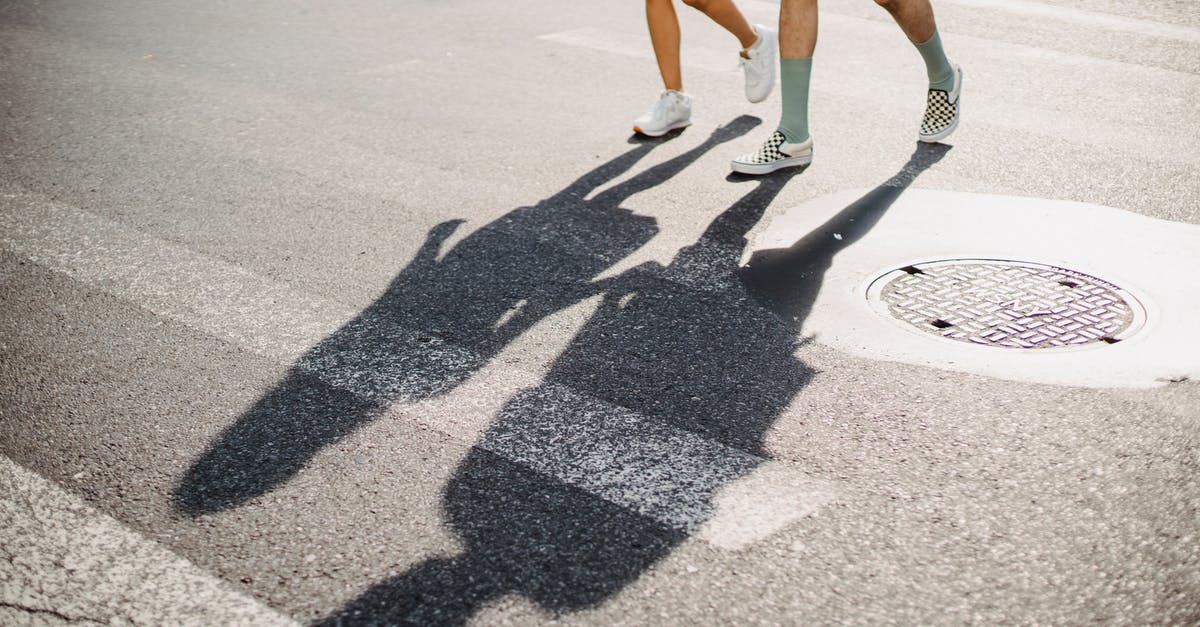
(789, 145)
(664, 36)
(797, 29)
(915, 18)
(727, 15)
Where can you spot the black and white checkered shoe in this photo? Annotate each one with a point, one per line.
(941, 111)
(775, 154)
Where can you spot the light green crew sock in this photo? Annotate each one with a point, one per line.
(937, 66)
(795, 75)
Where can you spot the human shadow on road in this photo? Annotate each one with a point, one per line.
(663, 398)
(440, 320)
(672, 354)
(788, 279)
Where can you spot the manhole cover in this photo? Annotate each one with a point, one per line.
(1008, 303)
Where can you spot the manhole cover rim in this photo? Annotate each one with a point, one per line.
(873, 287)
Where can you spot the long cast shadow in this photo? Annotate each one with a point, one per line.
(787, 279)
(661, 336)
(584, 482)
(440, 320)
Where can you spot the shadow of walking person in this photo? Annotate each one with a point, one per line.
(661, 401)
(788, 279)
(582, 483)
(440, 320)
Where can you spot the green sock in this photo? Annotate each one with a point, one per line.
(795, 75)
(937, 66)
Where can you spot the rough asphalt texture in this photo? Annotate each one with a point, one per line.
(373, 312)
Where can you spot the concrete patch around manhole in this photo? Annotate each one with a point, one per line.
(963, 281)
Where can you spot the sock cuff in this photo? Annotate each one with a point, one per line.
(796, 71)
(935, 40)
(937, 66)
(795, 74)
(791, 136)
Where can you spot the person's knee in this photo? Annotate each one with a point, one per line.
(696, 4)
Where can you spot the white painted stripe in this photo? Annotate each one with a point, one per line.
(743, 515)
(627, 44)
(637, 461)
(61, 559)
(626, 458)
(207, 294)
(1103, 21)
(679, 478)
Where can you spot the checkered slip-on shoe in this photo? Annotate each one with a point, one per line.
(775, 154)
(941, 111)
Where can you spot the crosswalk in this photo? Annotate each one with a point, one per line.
(627, 458)
(728, 495)
(65, 562)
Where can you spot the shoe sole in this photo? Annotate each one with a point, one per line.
(766, 94)
(767, 168)
(677, 125)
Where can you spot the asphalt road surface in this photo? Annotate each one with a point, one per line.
(375, 312)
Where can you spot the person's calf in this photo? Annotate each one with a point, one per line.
(915, 17)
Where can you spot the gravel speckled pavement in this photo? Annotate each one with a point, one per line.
(372, 312)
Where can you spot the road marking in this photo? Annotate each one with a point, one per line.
(742, 516)
(627, 44)
(61, 558)
(1103, 21)
(635, 461)
(168, 280)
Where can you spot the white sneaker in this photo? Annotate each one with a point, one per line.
(673, 110)
(760, 67)
(775, 154)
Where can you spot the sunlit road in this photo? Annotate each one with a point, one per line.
(374, 312)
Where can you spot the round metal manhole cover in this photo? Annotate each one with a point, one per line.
(1008, 303)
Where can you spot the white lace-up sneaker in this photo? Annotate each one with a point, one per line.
(941, 111)
(775, 154)
(673, 110)
(760, 67)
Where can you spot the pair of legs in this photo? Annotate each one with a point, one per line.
(674, 108)
(664, 32)
(791, 144)
(798, 40)
(798, 24)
